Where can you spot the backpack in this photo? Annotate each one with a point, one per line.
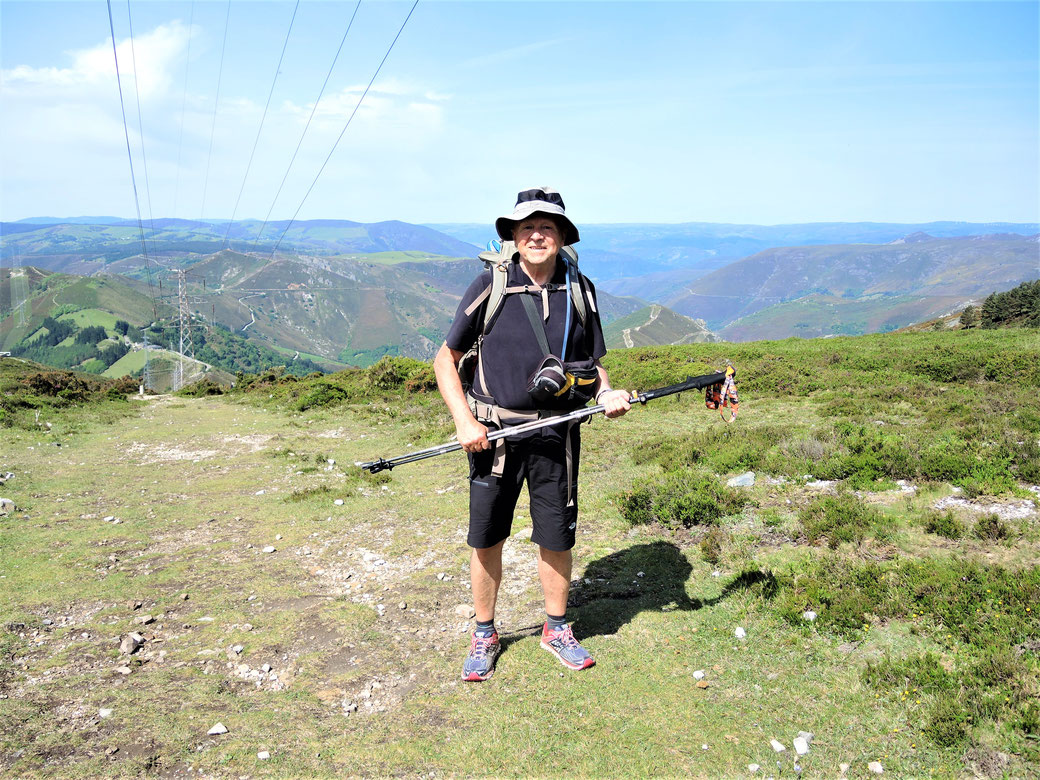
(498, 257)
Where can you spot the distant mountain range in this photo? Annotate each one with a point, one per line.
(329, 310)
(850, 289)
(54, 245)
(345, 293)
(650, 260)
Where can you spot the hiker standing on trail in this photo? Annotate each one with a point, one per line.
(510, 329)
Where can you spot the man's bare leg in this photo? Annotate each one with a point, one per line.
(485, 576)
(554, 570)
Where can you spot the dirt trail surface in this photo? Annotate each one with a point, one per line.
(214, 563)
(257, 568)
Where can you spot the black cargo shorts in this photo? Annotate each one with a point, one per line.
(550, 468)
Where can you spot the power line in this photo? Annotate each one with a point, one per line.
(274, 81)
(307, 126)
(130, 156)
(344, 130)
(140, 124)
(216, 103)
(184, 101)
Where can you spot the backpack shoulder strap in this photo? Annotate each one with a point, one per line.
(498, 263)
(581, 292)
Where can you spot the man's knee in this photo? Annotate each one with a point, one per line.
(492, 553)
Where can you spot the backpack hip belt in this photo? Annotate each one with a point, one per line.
(500, 417)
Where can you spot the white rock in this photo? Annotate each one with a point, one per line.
(752, 768)
(704, 747)
(238, 649)
(338, 502)
(269, 548)
(131, 643)
(7, 506)
(265, 668)
(809, 615)
(217, 728)
(640, 573)
(808, 736)
(698, 675)
(260, 492)
(801, 747)
(740, 633)
(278, 537)
(263, 755)
(843, 768)
(876, 768)
(465, 611)
(747, 479)
(777, 746)
(108, 518)
(105, 712)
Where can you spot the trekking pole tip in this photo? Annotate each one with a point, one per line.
(376, 466)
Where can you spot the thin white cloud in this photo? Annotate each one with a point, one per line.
(155, 52)
(517, 52)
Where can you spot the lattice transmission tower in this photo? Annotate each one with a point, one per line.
(186, 343)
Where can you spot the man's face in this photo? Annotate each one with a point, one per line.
(538, 239)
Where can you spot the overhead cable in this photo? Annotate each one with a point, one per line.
(140, 125)
(274, 81)
(344, 130)
(130, 156)
(216, 102)
(307, 126)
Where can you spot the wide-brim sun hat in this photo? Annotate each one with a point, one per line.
(540, 200)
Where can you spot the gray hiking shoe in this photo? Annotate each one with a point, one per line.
(562, 644)
(480, 663)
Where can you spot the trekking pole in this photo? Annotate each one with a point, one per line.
(691, 383)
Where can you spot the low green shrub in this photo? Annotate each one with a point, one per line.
(943, 524)
(947, 722)
(842, 518)
(201, 389)
(679, 498)
(921, 672)
(304, 494)
(321, 395)
(991, 528)
(712, 545)
(984, 606)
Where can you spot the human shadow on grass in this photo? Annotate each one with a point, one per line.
(611, 592)
(652, 576)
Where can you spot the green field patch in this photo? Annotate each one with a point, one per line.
(85, 318)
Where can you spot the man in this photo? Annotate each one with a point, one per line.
(510, 351)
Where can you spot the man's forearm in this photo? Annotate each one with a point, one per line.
(445, 367)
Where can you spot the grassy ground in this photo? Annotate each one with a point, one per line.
(355, 609)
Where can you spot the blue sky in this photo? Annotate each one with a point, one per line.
(765, 113)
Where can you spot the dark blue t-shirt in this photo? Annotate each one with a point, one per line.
(510, 352)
